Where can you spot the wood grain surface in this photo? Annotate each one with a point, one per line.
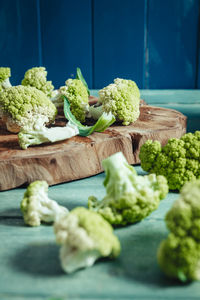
(81, 157)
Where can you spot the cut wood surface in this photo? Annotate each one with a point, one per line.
(81, 157)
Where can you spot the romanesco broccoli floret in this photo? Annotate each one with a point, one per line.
(122, 98)
(179, 254)
(84, 237)
(178, 160)
(21, 105)
(5, 73)
(129, 197)
(36, 206)
(77, 94)
(37, 77)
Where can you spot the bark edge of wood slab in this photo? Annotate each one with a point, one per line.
(81, 157)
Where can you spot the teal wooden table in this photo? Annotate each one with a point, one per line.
(29, 264)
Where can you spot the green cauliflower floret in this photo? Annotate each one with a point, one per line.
(84, 237)
(37, 77)
(179, 254)
(76, 92)
(129, 197)
(122, 98)
(36, 206)
(77, 88)
(5, 73)
(21, 105)
(178, 160)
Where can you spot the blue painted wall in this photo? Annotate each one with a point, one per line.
(154, 42)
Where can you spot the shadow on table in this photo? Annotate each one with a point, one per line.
(10, 212)
(38, 259)
(11, 217)
(138, 259)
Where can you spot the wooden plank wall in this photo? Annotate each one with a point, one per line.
(154, 42)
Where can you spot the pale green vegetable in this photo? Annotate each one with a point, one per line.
(121, 98)
(179, 254)
(84, 237)
(22, 105)
(37, 207)
(5, 73)
(178, 160)
(77, 95)
(37, 77)
(129, 197)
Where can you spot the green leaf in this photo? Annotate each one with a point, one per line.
(101, 125)
(80, 77)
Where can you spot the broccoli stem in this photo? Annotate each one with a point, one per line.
(74, 259)
(6, 83)
(48, 209)
(37, 135)
(116, 164)
(95, 112)
(57, 99)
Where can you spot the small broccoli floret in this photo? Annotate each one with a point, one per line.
(179, 254)
(129, 197)
(37, 77)
(178, 160)
(76, 92)
(122, 98)
(5, 73)
(36, 207)
(21, 105)
(85, 237)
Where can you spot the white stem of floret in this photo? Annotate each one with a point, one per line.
(73, 259)
(6, 83)
(38, 134)
(57, 99)
(95, 112)
(119, 170)
(55, 134)
(115, 161)
(117, 167)
(48, 209)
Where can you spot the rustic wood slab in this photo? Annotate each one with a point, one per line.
(81, 157)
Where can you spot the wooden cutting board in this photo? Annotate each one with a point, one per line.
(81, 157)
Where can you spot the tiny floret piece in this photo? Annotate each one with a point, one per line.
(36, 207)
(20, 106)
(37, 77)
(5, 73)
(179, 254)
(129, 197)
(178, 160)
(84, 237)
